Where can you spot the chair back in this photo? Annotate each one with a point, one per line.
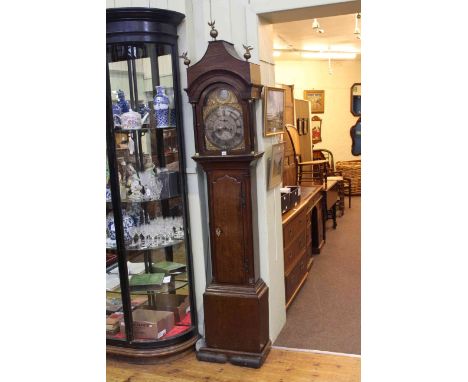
(294, 136)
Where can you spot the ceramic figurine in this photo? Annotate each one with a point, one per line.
(135, 189)
(161, 107)
(144, 110)
(122, 102)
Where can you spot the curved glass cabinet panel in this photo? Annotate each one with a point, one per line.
(148, 268)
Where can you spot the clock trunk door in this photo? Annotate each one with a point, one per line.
(228, 235)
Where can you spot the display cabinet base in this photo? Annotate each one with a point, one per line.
(153, 356)
(238, 358)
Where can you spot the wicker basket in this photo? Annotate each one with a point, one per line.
(351, 169)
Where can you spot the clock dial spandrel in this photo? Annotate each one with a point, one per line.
(223, 121)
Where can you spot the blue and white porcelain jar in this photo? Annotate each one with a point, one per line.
(161, 107)
(128, 223)
(116, 112)
(108, 194)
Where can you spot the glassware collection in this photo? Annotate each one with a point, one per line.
(146, 234)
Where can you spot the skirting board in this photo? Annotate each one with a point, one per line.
(317, 351)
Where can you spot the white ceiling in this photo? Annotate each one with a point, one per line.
(298, 35)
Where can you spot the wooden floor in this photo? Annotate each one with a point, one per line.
(280, 366)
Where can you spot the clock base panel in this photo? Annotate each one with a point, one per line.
(238, 358)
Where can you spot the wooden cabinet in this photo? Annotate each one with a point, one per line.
(302, 236)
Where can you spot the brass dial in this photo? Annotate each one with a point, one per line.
(223, 127)
(223, 121)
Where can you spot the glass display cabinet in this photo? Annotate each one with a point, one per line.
(150, 309)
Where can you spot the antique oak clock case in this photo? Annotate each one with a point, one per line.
(222, 89)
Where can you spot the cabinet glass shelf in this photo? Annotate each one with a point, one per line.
(126, 201)
(149, 248)
(170, 287)
(143, 129)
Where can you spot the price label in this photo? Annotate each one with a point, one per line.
(223, 153)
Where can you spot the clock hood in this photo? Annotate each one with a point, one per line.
(222, 58)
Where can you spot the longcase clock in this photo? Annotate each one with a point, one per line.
(222, 89)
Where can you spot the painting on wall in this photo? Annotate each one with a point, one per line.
(276, 165)
(274, 111)
(317, 100)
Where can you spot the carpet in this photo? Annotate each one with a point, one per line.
(326, 314)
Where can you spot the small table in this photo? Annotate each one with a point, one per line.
(331, 199)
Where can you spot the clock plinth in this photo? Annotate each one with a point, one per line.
(236, 324)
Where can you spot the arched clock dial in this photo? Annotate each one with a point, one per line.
(224, 128)
(223, 121)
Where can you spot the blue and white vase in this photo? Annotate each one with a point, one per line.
(161, 107)
(122, 102)
(128, 223)
(116, 111)
(108, 194)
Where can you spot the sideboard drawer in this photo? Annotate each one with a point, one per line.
(294, 278)
(294, 250)
(293, 228)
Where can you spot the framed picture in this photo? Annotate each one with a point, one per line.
(316, 129)
(273, 111)
(275, 176)
(317, 100)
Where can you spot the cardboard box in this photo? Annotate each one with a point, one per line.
(175, 303)
(150, 324)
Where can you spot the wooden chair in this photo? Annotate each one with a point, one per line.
(344, 182)
(314, 172)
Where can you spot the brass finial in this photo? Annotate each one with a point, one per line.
(186, 60)
(213, 31)
(247, 54)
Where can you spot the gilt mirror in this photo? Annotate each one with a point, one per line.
(316, 128)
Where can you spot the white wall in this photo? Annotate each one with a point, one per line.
(337, 119)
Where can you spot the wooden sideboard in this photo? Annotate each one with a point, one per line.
(303, 235)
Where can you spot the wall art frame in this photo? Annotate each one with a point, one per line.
(317, 100)
(275, 171)
(273, 115)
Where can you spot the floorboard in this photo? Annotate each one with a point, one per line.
(280, 366)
